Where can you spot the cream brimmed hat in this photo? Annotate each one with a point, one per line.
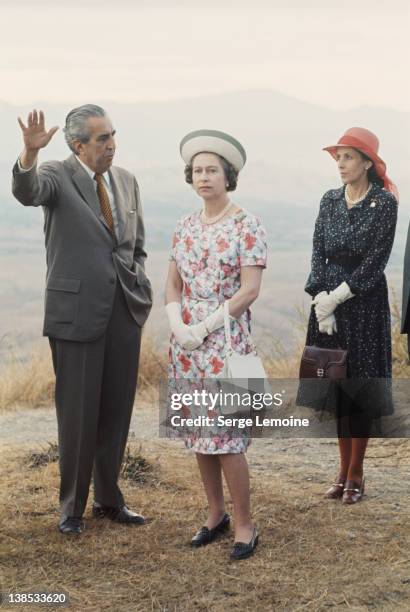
(213, 141)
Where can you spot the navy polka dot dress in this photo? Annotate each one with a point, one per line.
(354, 245)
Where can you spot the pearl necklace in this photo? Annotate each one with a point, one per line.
(354, 202)
(210, 220)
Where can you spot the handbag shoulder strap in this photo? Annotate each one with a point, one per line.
(227, 326)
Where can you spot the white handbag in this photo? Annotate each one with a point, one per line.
(247, 371)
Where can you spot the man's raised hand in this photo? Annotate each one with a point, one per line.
(35, 137)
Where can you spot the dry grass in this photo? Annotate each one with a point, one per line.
(136, 468)
(312, 555)
(278, 361)
(153, 365)
(400, 353)
(42, 457)
(31, 382)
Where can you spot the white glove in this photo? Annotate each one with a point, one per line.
(212, 322)
(318, 297)
(188, 337)
(328, 325)
(325, 305)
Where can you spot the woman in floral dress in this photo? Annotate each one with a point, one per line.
(353, 238)
(218, 254)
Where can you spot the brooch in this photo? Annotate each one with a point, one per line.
(372, 204)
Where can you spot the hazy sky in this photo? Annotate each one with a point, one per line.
(339, 55)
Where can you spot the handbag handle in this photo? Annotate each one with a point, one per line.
(227, 327)
(336, 337)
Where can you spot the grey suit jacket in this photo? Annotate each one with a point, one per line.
(405, 321)
(84, 260)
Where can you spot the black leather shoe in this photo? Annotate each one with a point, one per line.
(205, 535)
(119, 514)
(71, 525)
(242, 550)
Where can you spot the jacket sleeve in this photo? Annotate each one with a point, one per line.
(139, 251)
(316, 281)
(368, 275)
(36, 187)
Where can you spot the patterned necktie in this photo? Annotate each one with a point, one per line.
(104, 201)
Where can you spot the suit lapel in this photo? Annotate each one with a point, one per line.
(85, 186)
(119, 199)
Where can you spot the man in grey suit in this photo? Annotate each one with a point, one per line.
(97, 299)
(405, 325)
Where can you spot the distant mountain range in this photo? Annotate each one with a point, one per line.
(283, 138)
(285, 175)
(283, 180)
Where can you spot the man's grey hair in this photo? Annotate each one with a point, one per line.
(76, 123)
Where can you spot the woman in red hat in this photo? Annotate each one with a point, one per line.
(352, 241)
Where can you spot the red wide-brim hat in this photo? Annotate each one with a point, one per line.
(365, 141)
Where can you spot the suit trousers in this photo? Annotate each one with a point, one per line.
(94, 396)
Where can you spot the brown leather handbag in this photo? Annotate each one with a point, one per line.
(320, 362)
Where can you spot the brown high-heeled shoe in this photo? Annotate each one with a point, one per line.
(336, 490)
(352, 493)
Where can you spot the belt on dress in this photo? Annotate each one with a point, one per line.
(215, 300)
(345, 260)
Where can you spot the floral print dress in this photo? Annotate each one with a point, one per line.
(209, 260)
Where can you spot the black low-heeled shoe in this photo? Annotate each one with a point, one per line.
(206, 536)
(71, 525)
(119, 514)
(243, 550)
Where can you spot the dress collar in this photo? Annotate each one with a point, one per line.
(339, 194)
